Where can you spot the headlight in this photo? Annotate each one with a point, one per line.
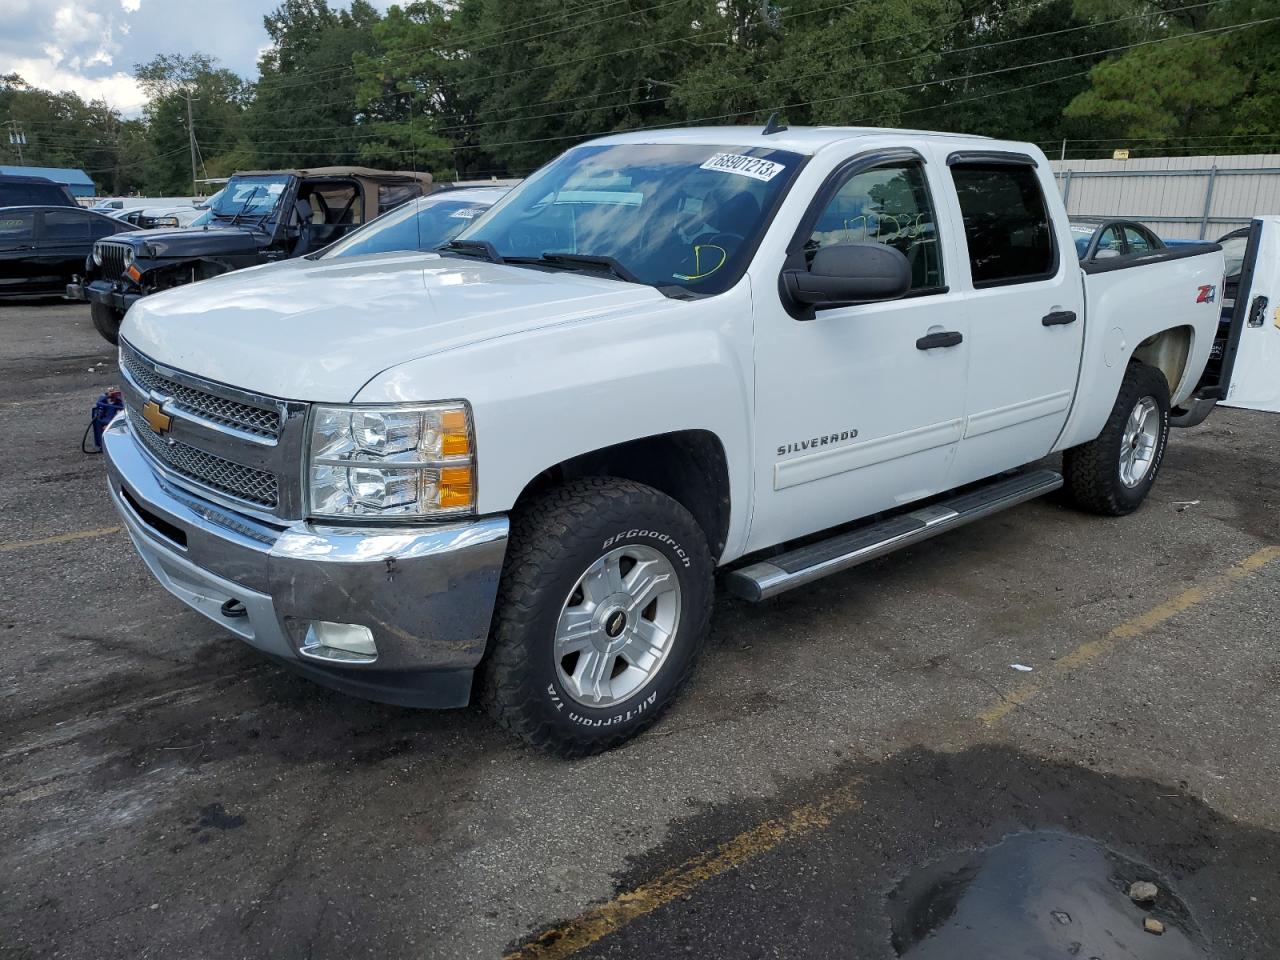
(165, 222)
(129, 256)
(396, 462)
(97, 254)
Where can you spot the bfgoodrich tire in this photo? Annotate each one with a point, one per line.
(602, 611)
(106, 321)
(1113, 474)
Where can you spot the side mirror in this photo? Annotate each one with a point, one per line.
(1107, 254)
(846, 273)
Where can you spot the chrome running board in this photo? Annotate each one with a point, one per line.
(768, 578)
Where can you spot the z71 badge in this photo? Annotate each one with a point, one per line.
(804, 446)
(1208, 293)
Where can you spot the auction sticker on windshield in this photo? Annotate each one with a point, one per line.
(752, 167)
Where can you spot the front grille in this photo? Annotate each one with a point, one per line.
(112, 260)
(233, 479)
(230, 413)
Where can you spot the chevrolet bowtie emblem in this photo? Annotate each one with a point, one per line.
(157, 419)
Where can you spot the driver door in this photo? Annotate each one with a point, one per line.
(860, 408)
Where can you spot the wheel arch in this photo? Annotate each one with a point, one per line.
(690, 466)
(1168, 351)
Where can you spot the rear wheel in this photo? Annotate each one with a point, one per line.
(106, 320)
(602, 610)
(1113, 474)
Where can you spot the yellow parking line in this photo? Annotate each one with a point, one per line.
(1092, 649)
(598, 922)
(59, 538)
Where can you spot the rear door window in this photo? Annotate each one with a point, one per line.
(392, 195)
(1110, 241)
(1138, 243)
(1006, 223)
(103, 226)
(61, 225)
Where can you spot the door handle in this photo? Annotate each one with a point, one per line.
(946, 338)
(1257, 311)
(1058, 317)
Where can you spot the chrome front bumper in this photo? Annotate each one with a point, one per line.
(426, 592)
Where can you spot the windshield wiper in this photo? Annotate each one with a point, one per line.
(570, 261)
(474, 248)
(610, 264)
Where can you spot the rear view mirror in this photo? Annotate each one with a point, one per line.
(848, 273)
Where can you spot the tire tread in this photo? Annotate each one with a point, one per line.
(538, 540)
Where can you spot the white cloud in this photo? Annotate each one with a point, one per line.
(118, 89)
(130, 6)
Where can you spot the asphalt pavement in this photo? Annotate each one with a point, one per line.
(845, 760)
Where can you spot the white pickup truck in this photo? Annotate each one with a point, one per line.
(513, 467)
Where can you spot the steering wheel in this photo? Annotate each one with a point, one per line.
(725, 240)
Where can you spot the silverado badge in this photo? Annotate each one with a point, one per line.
(157, 419)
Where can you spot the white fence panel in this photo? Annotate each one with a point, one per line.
(1178, 197)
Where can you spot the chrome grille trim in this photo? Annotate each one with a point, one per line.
(259, 421)
(257, 476)
(233, 479)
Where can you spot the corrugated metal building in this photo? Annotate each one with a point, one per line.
(77, 181)
(1178, 197)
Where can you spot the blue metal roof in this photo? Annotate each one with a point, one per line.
(77, 180)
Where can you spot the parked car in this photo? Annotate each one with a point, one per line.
(43, 247)
(1106, 239)
(19, 191)
(259, 217)
(514, 466)
(133, 203)
(421, 224)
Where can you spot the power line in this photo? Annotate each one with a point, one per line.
(776, 80)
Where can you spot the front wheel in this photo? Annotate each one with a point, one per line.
(107, 320)
(1113, 474)
(602, 611)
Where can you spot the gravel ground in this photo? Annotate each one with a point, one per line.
(165, 792)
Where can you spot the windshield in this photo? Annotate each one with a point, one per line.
(420, 225)
(252, 197)
(668, 215)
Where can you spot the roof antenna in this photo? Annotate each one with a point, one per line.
(772, 125)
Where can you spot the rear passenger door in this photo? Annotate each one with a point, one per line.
(1025, 312)
(63, 242)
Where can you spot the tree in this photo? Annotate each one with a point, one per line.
(62, 130)
(1191, 90)
(217, 102)
(304, 108)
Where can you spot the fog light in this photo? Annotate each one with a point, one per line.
(342, 642)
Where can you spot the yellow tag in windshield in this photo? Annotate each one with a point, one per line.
(698, 265)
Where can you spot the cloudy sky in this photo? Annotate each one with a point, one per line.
(91, 46)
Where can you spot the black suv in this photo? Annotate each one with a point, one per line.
(18, 191)
(259, 217)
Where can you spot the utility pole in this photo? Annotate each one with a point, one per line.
(191, 137)
(16, 137)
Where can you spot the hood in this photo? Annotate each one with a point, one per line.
(167, 243)
(312, 330)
